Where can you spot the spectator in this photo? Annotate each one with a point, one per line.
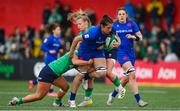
(37, 45)
(155, 8)
(2, 35)
(143, 48)
(14, 51)
(65, 22)
(171, 57)
(130, 9)
(150, 55)
(176, 41)
(162, 51)
(25, 47)
(55, 17)
(92, 16)
(140, 14)
(68, 38)
(144, 31)
(153, 39)
(2, 50)
(46, 14)
(169, 14)
(59, 7)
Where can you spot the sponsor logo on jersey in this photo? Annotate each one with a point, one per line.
(86, 36)
(124, 31)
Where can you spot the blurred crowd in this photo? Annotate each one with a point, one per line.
(159, 44)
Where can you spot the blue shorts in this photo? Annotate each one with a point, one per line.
(47, 75)
(86, 54)
(124, 57)
(112, 54)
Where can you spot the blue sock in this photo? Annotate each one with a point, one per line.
(72, 97)
(35, 82)
(114, 93)
(137, 97)
(51, 90)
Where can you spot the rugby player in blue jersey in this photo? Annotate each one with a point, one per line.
(128, 31)
(81, 19)
(51, 46)
(92, 46)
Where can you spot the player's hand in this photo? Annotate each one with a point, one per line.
(52, 51)
(90, 61)
(100, 47)
(129, 36)
(115, 44)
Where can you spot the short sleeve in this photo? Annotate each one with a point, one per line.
(90, 35)
(135, 27)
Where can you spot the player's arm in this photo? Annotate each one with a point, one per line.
(137, 36)
(45, 44)
(45, 48)
(75, 42)
(79, 62)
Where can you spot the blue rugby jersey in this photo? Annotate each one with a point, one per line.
(51, 43)
(93, 39)
(130, 27)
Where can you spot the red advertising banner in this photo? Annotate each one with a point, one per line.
(159, 74)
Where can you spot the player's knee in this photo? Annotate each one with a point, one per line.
(130, 71)
(65, 88)
(79, 78)
(100, 72)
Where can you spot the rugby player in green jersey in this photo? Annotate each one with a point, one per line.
(52, 74)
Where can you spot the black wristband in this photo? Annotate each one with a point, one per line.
(137, 38)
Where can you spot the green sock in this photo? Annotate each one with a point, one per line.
(88, 92)
(20, 101)
(57, 100)
(116, 82)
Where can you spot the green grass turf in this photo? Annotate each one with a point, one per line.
(159, 98)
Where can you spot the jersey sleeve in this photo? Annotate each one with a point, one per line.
(46, 42)
(113, 28)
(135, 27)
(76, 52)
(90, 35)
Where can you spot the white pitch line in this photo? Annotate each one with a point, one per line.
(147, 91)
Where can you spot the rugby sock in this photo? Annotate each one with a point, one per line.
(114, 93)
(116, 82)
(72, 96)
(35, 82)
(137, 97)
(20, 101)
(88, 92)
(57, 101)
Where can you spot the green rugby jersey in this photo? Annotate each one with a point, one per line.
(62, 64)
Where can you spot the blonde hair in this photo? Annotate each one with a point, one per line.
(73, 17)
